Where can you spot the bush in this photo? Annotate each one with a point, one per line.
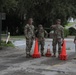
(66, 32)
(72, 31)
(9, 44)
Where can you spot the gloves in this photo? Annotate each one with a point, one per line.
(53, 26)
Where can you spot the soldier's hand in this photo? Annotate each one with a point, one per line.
(53, 26)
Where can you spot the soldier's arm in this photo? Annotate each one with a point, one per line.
(62, 33)
(46, 34)
(25, 31)
(36, 33)
(53, 27)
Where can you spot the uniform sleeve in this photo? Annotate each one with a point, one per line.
(46, 33)
(62, 32)
(25, 31)
(36, 33)
(53, 27)
(33, 32)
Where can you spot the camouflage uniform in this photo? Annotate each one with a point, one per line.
(75, 42)
(40, 35)
(29, 35)
(57, 38)
(75, 38)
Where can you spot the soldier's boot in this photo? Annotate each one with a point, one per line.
(30, 55)
(54, 53)
(27, 55)
(42, 49)
(42, 52)
(59, 53)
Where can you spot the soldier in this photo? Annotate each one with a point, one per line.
(75, 42)
(75, 39)
(58, 37)
(29, 35)
(41, 33)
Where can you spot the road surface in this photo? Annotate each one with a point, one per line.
(14, 62)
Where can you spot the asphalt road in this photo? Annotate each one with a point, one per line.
(22, 44)
(14, 62)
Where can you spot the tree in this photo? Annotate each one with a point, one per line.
(43, 11)
(48, 10)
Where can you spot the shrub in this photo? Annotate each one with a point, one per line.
(9, 44)
(72, 31)
(66, 32)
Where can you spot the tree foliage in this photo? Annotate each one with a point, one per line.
(46, 11)
(42, 11)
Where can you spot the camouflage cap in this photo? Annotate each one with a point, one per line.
(40, 25)
(58, 20)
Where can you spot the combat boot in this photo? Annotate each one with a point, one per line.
(27, 56)
(59, 55)
(42, 54)
(54, 55)
(30, 55)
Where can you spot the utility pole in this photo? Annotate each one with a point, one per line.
(2, 17)
(0, 26)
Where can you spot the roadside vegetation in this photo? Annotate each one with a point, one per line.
(9, 44)
(43, 12)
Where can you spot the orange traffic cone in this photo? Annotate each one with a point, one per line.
(36, 50)
(48, 53)
(63, 55)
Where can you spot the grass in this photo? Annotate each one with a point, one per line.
(9, 44)
(71, 23)
(17, 36)
(14, 37)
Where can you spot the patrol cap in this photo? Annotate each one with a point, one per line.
(40, 25)
(58, 20)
